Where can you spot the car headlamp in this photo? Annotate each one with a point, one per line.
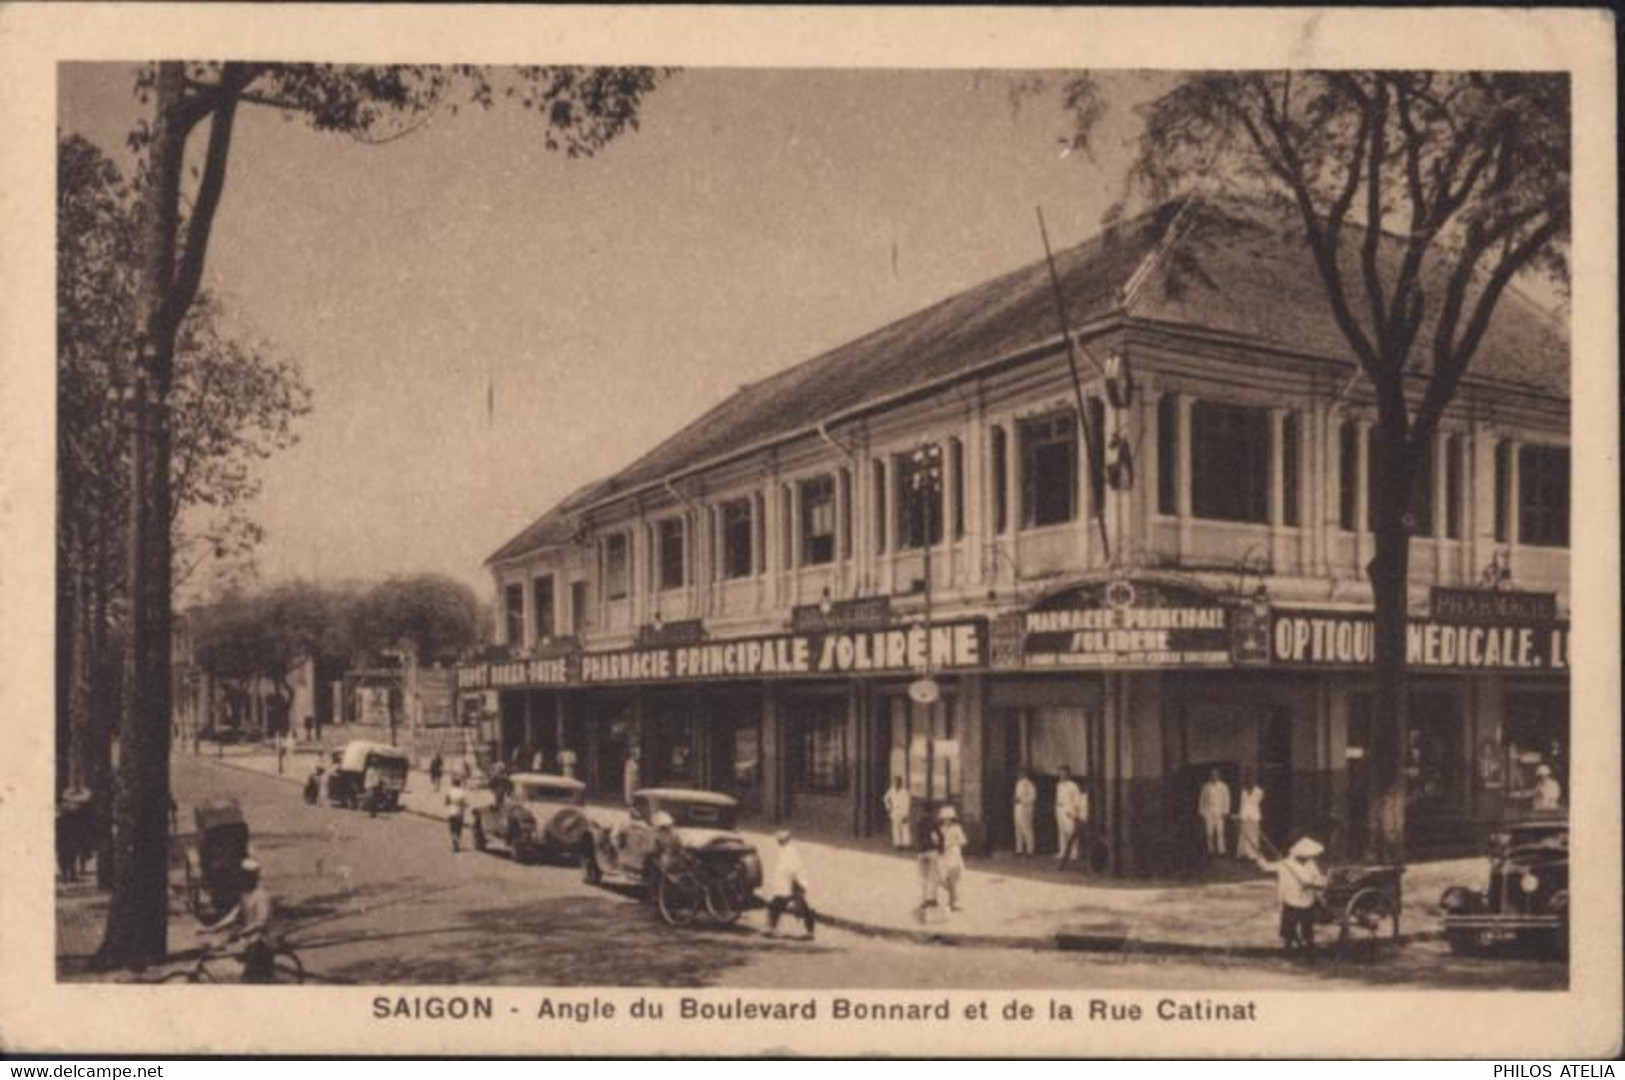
(1529, 883)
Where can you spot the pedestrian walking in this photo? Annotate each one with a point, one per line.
(1213, 806)
(787, 886)
(500, 786)
(630, 775)
(928, 845)
(1071, 809)
(1250, 821)
(437, 769)
(951, 853)
(456, 806)
(1026, 800)
(899, 805)
(1298, 883)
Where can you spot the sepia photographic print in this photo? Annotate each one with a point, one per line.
(821, 532)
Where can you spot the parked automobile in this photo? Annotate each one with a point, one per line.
(540, 814)
(360, 768)
(704, 824)
(1528, 894)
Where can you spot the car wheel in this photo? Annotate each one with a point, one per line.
(517, 848)
(591, 873)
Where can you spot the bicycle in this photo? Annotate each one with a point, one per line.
(211, 966)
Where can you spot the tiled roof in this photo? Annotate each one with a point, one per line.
(554, 527)
(1232, 267)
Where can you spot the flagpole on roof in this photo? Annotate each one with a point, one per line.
(1097, 482)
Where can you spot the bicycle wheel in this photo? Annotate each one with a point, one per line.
(679, 897)
(286, 967)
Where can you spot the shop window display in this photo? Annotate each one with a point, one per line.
(925, 749)
(1433, 752)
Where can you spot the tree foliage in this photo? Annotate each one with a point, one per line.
(233, 404)
(581, 111)
(434, 616)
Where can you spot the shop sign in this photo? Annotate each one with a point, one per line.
(945, 646)
(1342, 638)
(859, 613)
(542, 671)
(1126, 623)
(1492, 606)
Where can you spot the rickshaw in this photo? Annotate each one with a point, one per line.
(1364, 903)
(361, 768)
(214, 861)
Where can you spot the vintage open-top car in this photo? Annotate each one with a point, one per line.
(364, 767)
(538, 814)
(704, 827)
(1528, 894)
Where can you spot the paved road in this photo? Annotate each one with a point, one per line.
(384, 901)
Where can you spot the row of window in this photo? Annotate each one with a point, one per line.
(1230, 461)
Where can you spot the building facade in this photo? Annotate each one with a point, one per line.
(908, 558)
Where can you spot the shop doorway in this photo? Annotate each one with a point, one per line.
(1040, 739)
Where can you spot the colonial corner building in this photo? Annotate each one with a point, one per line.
(908, 558)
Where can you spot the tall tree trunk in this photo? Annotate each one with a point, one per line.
(80, 663)
(1390, 572)
(105, 688)
(137, 920)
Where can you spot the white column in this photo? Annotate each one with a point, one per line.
(888, 561)
(843, 497)
(1328, 486)
(1012, 497)
(975, 460)
(771, 522)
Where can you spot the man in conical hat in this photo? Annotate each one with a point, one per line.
(1298, 883)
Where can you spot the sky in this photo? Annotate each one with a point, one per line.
(757, 219)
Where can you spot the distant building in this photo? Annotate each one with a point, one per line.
(748, 604)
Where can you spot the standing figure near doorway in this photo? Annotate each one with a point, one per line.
(1071, 808)
(631, 775)
(1213, 806)
(899, 805)
(1250, 821)
(1026, 799)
